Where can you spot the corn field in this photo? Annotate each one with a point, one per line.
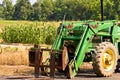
(29, 33)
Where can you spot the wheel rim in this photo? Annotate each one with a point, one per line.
(108, 59)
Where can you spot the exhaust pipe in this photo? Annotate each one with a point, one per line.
(102, 11)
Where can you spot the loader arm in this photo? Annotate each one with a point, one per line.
(80, 52)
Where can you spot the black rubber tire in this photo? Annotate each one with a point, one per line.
(118, 67)
(98, 59)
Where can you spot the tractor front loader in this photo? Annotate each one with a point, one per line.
(77, 42)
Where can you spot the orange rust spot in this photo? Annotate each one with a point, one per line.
(69, 26)
(94, 26)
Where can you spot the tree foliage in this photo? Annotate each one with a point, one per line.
(23, 10)
(8, 9)
(37, 10)
(1, 11)
(56, 9)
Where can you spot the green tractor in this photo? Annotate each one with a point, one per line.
(81, 41)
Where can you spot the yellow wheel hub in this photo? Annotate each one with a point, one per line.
(108, 59)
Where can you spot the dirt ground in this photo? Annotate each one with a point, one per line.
(27, 73)
(12, 55)
(6, 70)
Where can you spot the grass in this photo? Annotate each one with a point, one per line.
(4, 23)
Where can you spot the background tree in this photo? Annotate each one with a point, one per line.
(37, 10)
(116, 8)
(47, 8)
(8, 9)
(56, 9)
(23, 10)
(59, 10)
(108, 10)
(1, 11)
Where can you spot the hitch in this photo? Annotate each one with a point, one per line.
(47, 67)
